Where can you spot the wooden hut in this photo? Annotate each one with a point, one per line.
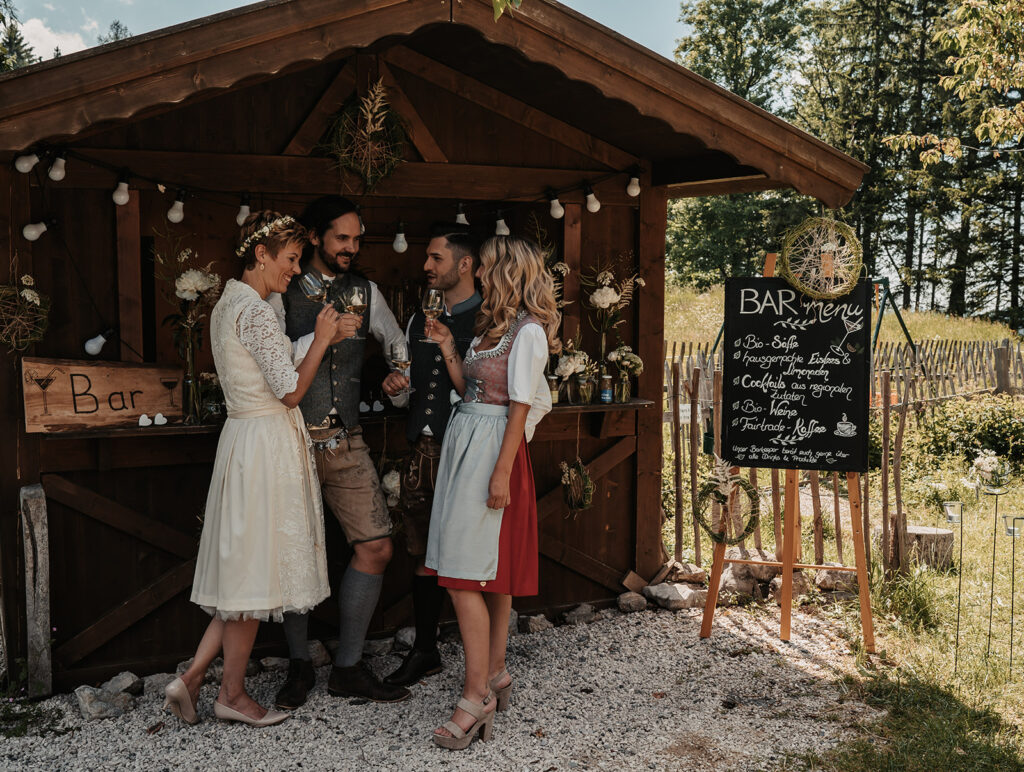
(496, 113)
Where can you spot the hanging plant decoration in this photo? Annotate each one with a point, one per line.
(577, 486)
(24, 312)
(718, 488)
(822, 258)
(368, 138)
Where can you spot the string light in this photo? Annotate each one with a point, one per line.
(243, 210)
(633, 188)
(94, 346)
(33, 231)
(400, 244)
(26, 163)
(121, 195)
(177, 211)
(58, 169)
(500, 228)
(460, 214)
(557, 210)
(593, 205)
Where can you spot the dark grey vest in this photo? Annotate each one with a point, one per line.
(336, 384)
(429, 403)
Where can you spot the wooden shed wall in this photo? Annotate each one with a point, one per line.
(98, 571)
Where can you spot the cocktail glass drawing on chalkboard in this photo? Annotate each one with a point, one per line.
(43, 383)
(169, 382)
(845, 428)
(852, 325)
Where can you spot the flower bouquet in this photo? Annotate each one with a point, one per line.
(991, 470)
(628, 364)
(607, 296)
(195, 289)
(576, 369)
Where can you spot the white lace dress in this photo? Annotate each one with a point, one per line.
(262, 549)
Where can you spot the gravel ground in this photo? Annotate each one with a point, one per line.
(627, 692)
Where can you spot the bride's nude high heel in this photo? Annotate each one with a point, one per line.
(504, 693)
(179, 701)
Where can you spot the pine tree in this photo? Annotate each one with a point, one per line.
(16, 52)
(117, 31)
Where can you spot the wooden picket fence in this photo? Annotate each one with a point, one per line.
(903, 387)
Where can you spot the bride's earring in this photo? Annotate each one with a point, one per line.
(263, 266)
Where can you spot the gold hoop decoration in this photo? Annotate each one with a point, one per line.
(719, 488)
(822, 258)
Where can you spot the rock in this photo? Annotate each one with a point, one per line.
(274, 663)
(96, 703)
(688, 572)
(674, 596)
(126, 682)
(737, 585)
(513, 622)
(405, 638)
(378, 647)
(757, 573)
(632, 601)
(801, 586)
(583, 614)
(319, 654)
(534, 624)
(154, 684)
(826, 579)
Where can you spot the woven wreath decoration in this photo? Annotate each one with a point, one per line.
(24, 314)
(822, 258)
(577, 486)
(368, 137)
(718, 488)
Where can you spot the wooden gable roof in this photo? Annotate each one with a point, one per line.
(593, 88)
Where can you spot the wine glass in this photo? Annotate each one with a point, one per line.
(313, 287)
(354, 301)
(398, 353)
(433, 305)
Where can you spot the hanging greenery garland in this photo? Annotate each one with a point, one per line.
(368, 137)
(718, 488)
(577, 486)
(822, 258)
(24, 312)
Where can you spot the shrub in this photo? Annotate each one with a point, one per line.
(962, 427)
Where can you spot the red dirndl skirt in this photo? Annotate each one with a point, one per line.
(517, 542)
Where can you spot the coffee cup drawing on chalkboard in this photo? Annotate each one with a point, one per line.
(846, 429)
(852, 325)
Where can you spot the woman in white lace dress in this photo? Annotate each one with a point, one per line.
(262, 548)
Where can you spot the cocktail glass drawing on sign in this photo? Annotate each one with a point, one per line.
(845, 428)
(852, 325)
(43, 382)
(169, 382)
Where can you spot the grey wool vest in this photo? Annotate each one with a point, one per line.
(336, 384)
(429, 403)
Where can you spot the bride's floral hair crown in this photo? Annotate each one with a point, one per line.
(273, 230)
(262, 233)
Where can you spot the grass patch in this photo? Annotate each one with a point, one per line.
(20, 716)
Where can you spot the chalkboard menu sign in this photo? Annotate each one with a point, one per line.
(795, 377)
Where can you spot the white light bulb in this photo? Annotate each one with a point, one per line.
(177, 211)
(121, 195)
(500, 228)
(34, 230)
(633, 188)
(460, 216)
(593, 205)
(243, 212)
(26, 163)
(58, 169)
(94, 346)
(400, 244)
(557, 210)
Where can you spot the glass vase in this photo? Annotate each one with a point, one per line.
(623, 389)
(192, 396)
(584, 389)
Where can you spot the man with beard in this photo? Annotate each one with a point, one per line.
(452, 260)
(348, 478)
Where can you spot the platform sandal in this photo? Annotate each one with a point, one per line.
(504, 693)
(461, 738)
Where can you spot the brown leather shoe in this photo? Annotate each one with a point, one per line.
(416, 665)
(358, 681)
(297, 685)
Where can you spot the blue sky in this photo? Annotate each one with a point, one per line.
(74, 24)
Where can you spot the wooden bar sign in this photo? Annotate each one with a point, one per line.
(64, 395)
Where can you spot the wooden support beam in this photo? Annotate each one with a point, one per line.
(230, 173)
(35, 532)
(572, 239)
(116, 621)
(552, 502)
(129, 279)
(110, 512)
(319, 118)
(581, 563)
(419, 134)
(502, 104)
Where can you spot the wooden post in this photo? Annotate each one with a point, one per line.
(899, 529)
(819, 530)
(1002, 368)
(860, 557)
(887, 555)
(677, 465)
(792, 497)
(753, 483)
(35, 532)
(835, 511)
(718, 561)
(694, 451)
(129, 279)
(777, 513)
(571, 244)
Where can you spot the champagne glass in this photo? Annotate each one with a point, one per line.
(433, 305)
(313, 287)
(398, 353)
(354, 300)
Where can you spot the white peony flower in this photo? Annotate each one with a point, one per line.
(605, 278)
(392, 483)
(193, 282)
(30, 296)
(28, 281)
(560, 268)
(604, 297)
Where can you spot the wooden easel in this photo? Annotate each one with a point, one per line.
(791, 525)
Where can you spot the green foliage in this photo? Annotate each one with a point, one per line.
(961, 428)
(905, 601)
(18, 715)
(500, 6)
(117, 31)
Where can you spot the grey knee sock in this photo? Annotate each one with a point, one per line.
(296, 632)
(357, 598)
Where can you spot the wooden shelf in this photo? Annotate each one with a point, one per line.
(601, 407)
(119, 432)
